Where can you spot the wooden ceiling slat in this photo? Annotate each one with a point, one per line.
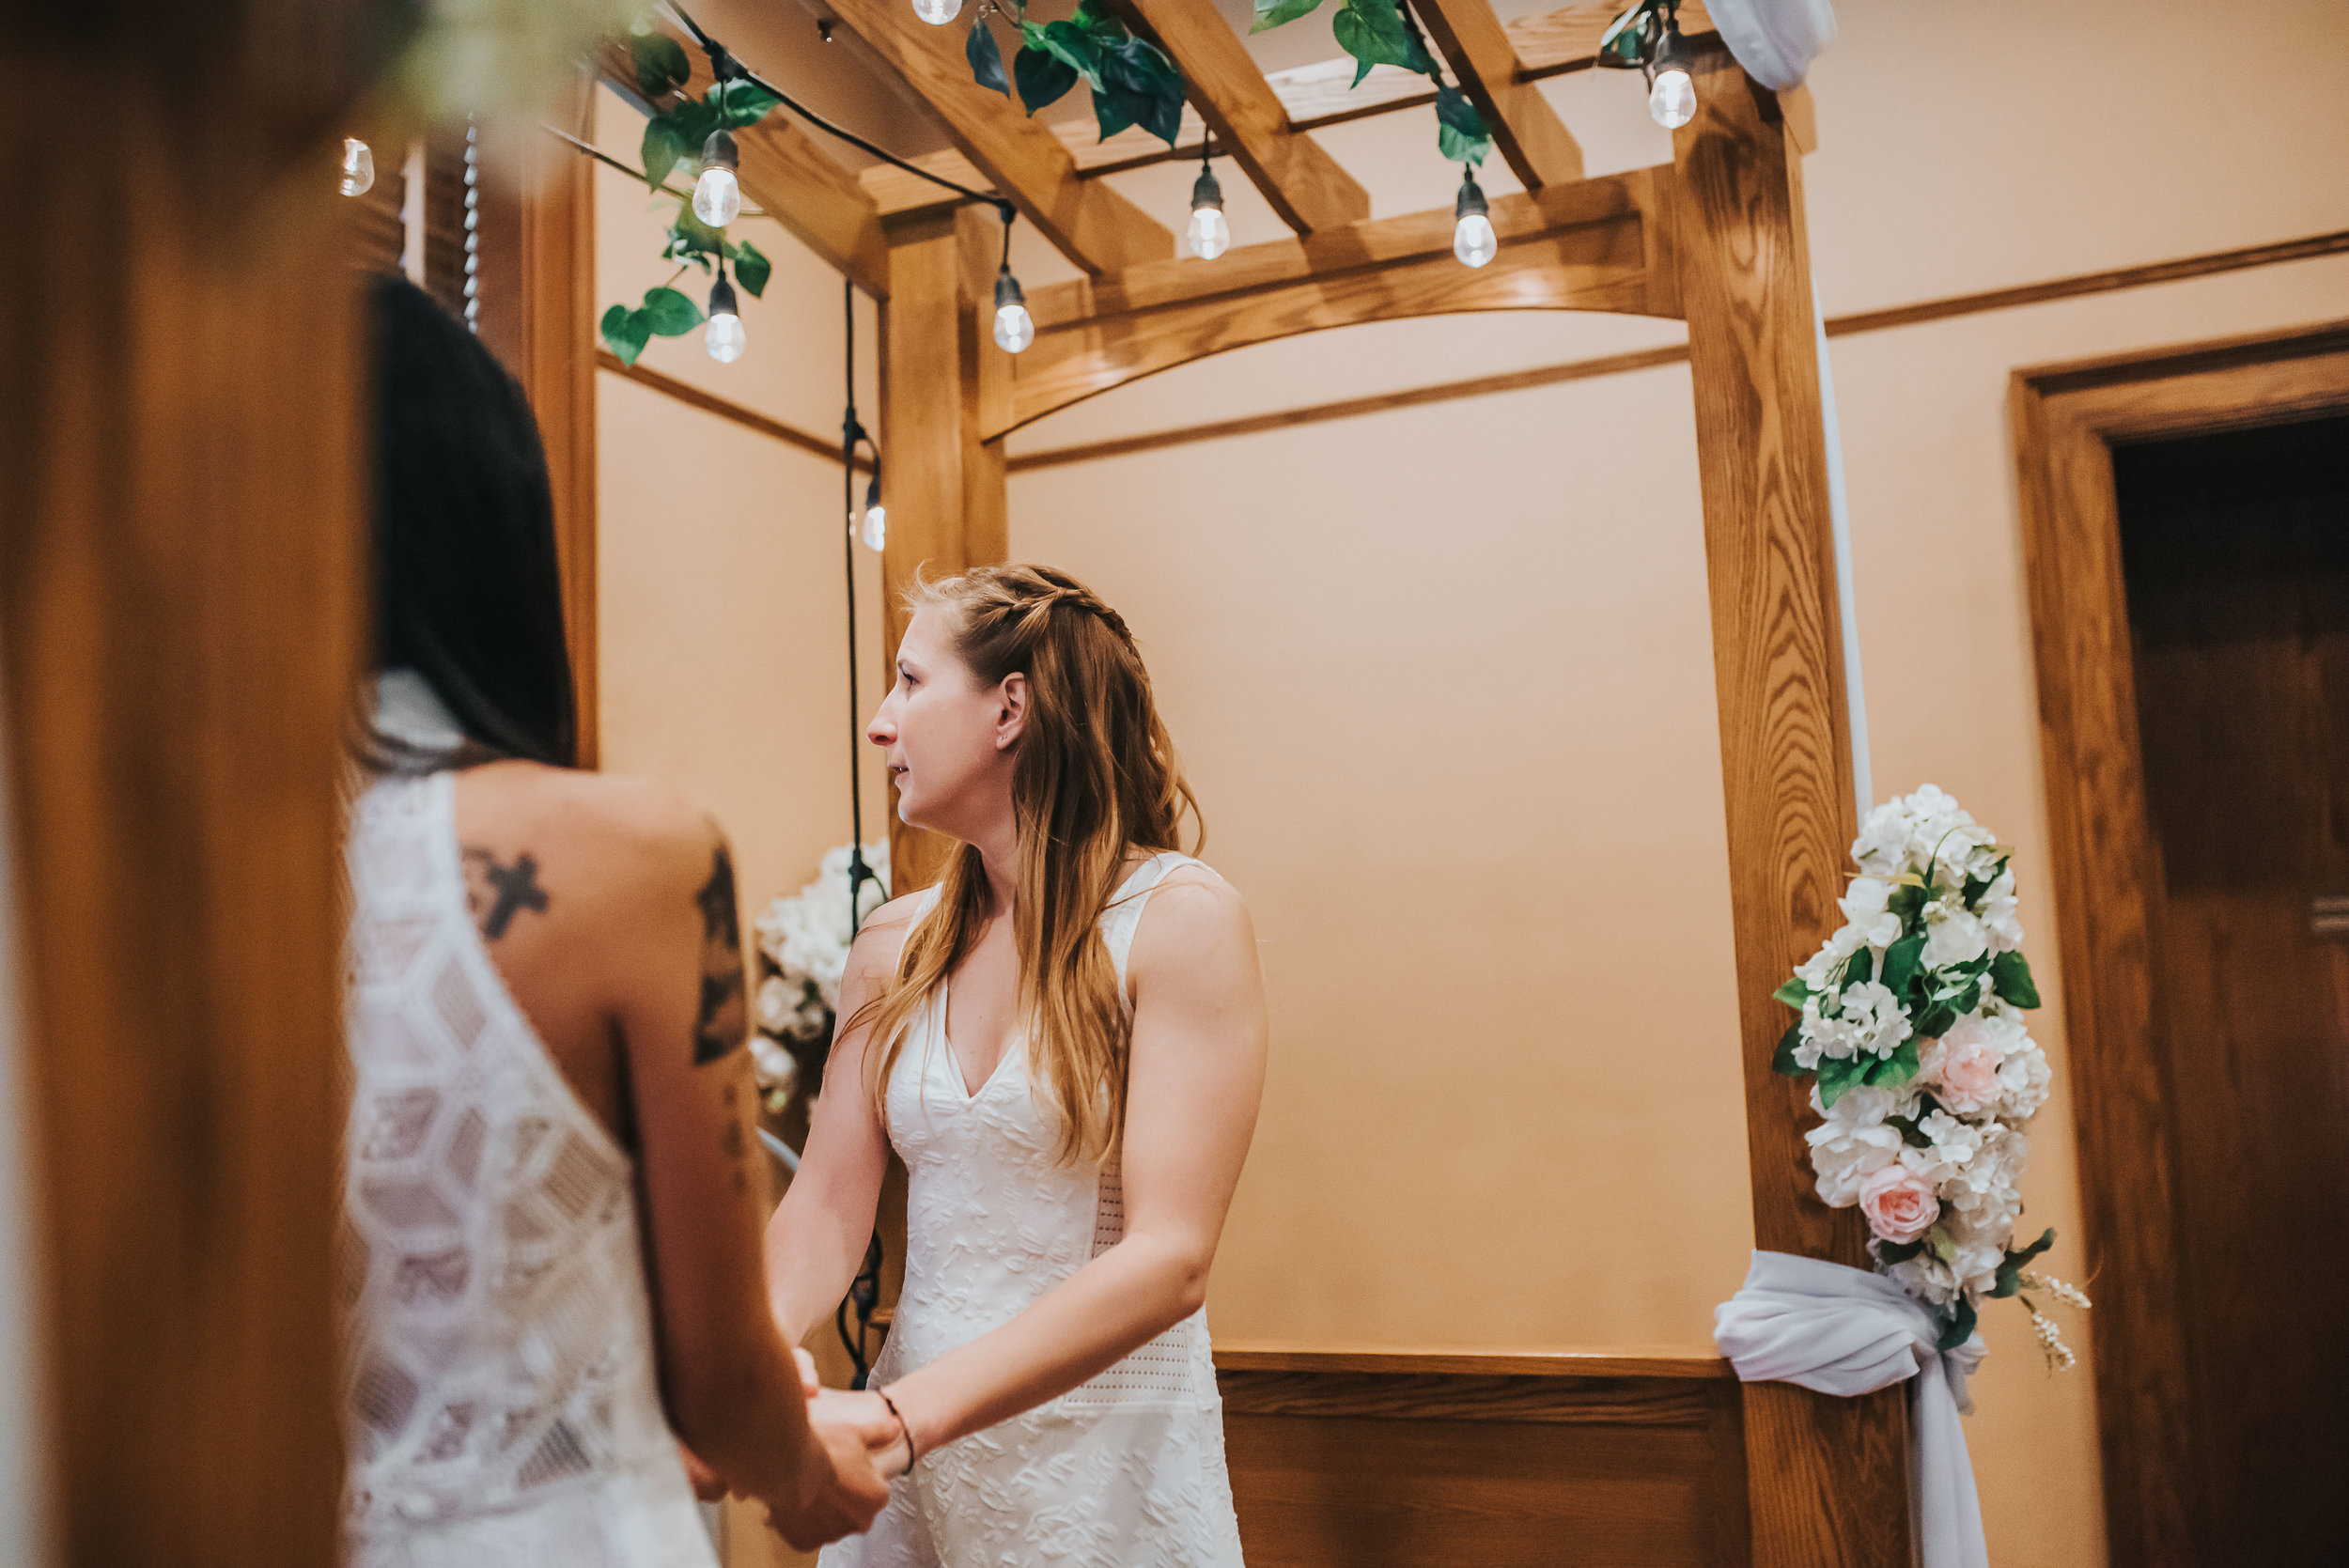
(1526, 131)
(1550, 43)
(790, 175)
(1300, 181)
(1097, 229)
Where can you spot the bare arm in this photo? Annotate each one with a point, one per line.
(732, 1390)
(1195, 1080)
(816, 1241)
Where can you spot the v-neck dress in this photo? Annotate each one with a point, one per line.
(1123, 1472)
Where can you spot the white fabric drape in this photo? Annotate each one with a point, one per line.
(1775, 41)
(1847, 1332)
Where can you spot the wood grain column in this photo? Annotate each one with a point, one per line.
(1829, 1477)
(944, 486)
(180, 610)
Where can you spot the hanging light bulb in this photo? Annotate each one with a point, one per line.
(358, 167)
(1671, 97)
(874, 528)
(1472, 238)
(1014, 328)
(938, 12)
(718, 195)
(1209, 234)
(724, 337)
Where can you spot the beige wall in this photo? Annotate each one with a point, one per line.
(1443, 676)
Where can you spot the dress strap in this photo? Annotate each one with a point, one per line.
(1123, 917)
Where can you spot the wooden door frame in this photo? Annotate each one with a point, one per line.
(2105, 863)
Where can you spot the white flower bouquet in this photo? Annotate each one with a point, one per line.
(1912, 1033)
(802, 951)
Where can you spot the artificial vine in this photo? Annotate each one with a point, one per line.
(1132, 80)
(674, 136)
(1384, 32)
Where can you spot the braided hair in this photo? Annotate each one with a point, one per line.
(1095, 774)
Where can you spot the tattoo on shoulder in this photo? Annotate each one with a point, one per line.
(722, 1020)
(495, 893)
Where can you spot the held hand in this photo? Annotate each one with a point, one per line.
(839, 1491)
(707, 1485)
(869, 1417)
(809, 1379)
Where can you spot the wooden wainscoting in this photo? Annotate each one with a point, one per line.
(1396, 1459)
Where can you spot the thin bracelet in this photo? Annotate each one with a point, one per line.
(903, 1430)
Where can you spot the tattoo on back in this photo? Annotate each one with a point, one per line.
(496, 893)
(723, 1018)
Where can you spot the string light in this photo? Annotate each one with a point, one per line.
(718, 195)
(1472, 238)
(1671, 97)
(1015, 329)
(937, 12)
(1209, 234)
(358, 167)
(724, 337)
(874, 529)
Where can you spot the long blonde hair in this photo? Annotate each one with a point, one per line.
(1095, 771)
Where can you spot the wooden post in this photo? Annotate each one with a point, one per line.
(1828, 1476)
(944, 486)
(180, 615)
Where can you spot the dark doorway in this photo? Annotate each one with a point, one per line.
(2235, 557)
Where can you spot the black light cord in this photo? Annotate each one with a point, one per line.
(726, 68)
(852, 433)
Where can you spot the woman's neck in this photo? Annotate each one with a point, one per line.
(999, 853)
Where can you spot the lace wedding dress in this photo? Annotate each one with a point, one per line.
(499, 1404)
(1125, 1471)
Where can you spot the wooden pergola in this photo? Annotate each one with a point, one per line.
(1716, 237)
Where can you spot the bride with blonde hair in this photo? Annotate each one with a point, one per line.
(1064, 1042)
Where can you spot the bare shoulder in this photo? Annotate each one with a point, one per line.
(1192, 914)
(879, 940)
(615, 836)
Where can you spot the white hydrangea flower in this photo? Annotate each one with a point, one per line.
(1954, 1146)
(1883, 842)
(1866, 1104)
(2024, 1081)
(1843, 1153)
(1952, 934)
(1868, 1021)
(1996, 911)
(774, 1068)
(1863, 906)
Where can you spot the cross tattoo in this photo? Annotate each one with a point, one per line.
(516, 889)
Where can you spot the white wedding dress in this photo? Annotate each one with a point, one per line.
(500, 1408)
(1125, 1471)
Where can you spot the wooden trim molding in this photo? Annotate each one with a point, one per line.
(725, 408)
(2103, 860)
(1367, 1458)
(2206, 265)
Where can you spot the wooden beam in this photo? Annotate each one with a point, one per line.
(1313, 96)
(944, 485)
(1829, 1475)
(1300, 181)
(1095, 228)
(790, 177)
(1526, 131)
(1576, 247)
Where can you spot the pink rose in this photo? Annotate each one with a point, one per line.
(1900, 1203)
(1965, 1070)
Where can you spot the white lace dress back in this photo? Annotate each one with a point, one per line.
(1125, 1471)
(499, 1402)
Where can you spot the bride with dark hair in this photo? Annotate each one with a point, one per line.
(551, 1200)
(1064, 1041)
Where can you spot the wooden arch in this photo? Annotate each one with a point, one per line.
(1715, 237)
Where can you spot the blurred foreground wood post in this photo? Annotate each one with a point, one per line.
(181, 566)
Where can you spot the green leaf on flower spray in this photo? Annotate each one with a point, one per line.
(1839, 1073)
(2011, 1267)
(1794, 993)
(1782, 1060)
(1959, 1327)
(2010, 972)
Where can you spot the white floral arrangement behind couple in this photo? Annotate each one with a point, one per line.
(803, 952)
(1912, 1032)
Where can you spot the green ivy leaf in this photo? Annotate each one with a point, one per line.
(1043, 76)
(690, 240)
(661, 149)
(1836, 1074)
(1142, 88)
(1620, 45)
(985, 58)
(661, 64)
(1455, 110)
(1959, 1327)
(1794, 993)
(2010, 971)
(626, 331)
(739, 104)
(751, 267)
(1075, 47)
(1373, 32)
(1782, 1060)
(1275, 13)
(1457, 149)
(1092, 16)
(1860, 967)
(670, 314)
